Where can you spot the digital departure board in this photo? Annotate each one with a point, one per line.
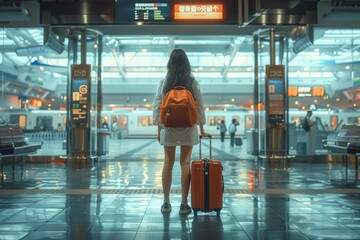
(152, 12)
(143, 11)
(176, 12)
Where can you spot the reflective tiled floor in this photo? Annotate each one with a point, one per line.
(119, 197)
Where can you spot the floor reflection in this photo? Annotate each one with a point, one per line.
(207, 227)
(120, 197)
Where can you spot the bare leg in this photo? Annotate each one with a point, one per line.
(167, 171)
(185, 156)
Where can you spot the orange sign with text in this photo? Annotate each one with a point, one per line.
(318, 91)
(198, 11)
(292, 91)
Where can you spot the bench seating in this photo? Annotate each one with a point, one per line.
(13, 141)
(346, 142)
(13, 144)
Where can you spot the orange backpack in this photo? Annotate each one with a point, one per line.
(178, 109)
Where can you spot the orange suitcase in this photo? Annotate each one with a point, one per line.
(207, 185)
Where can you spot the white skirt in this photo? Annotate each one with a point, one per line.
(179, 136)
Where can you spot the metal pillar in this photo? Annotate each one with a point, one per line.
(84, 93)
(270, 98)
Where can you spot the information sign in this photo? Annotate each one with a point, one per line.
(191, 11)
(306, 91)
(275, 94)
(80, 94)
(292, 91)
(318, 91)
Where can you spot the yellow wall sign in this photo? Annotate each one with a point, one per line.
(198, 11)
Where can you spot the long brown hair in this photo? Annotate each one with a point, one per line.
(179, 71)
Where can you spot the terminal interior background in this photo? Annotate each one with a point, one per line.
(133, 63)
(119, 197)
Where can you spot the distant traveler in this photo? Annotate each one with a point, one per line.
(59, 127)
(179, 74)
(105, 125)
(114, 129)
(232, 131)
(311, 134)
(223, 129)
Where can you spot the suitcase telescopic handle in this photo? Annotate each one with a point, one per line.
(210, 138)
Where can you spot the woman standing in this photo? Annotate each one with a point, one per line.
(223, 129)
(178, 74)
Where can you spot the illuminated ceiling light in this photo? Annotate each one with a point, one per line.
(139, 23)
(354, 105)
(233, 99)
(306, 68)
(338, 99)
(316, 101)
(296, 102)
(347, 67)
(328, 105)
(249, 69)
(201, 68)
(144, 100)
(144, 50)
(316, 50)
(57, 74)
(42, 68)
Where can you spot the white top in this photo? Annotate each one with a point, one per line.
(179, 136)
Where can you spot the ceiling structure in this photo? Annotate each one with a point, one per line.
(222, 57)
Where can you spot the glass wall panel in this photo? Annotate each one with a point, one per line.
(132, 67)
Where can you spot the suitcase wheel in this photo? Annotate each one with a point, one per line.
(218, 213)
